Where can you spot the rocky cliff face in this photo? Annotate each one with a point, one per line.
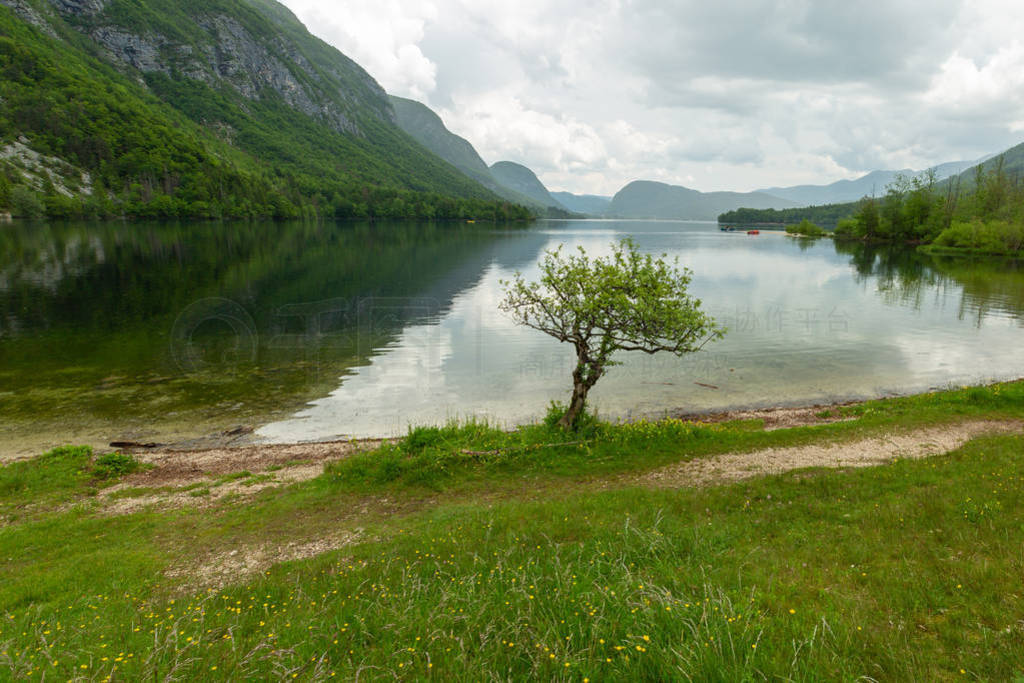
(137, 51)
(85, 7)
(237, 58)
(30, 14)
(225, 53)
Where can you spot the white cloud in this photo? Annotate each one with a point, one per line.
(735, 94)
(993, 88)
(502, 127)
(383, 36)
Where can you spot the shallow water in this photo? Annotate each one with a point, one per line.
(807, 323)
(317, 331)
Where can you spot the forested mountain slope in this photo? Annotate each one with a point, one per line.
(427, 128)
(220, 108)
(521, 179)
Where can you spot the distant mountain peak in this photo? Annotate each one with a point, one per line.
(423, 124)
(653, 199)
(427, 128)
(521, 179)
(873, 183)
(586, 204)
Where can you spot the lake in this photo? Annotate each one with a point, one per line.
(317, 331)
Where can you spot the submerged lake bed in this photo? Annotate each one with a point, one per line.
(319, 331)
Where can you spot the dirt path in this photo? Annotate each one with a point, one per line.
(181, 478)
(730, 467)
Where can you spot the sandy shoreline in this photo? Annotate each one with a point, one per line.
(25, 441)
(241, 441)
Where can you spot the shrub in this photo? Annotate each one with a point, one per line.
(848, 228)
(996, 237)
(114, 465)
(25, 203)
(421, 438)
(807, 229)
(585, 425)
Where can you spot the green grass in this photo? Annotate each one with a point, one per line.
(234, 476)
(514, 566)
(475, 454)
(57, 477)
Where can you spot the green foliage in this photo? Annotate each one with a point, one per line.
(867, 218)
(985, 215)
(807, 229)
(25, 203)
(115, 465)
(585, 424)
(909, 212)
(626, 302)
(988, 219)
(5, 190)
(986, 237)
(827, 214)
(847, 228)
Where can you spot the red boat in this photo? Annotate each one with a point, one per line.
(753, 232)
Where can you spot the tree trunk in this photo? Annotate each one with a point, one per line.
(584, 376)
(576, 405)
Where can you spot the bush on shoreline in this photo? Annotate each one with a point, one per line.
(981, 236)
(806, 229)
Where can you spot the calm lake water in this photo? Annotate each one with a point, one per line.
(319, 331)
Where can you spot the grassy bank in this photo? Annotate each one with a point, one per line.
(468, 553)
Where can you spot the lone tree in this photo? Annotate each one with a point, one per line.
(626, 302)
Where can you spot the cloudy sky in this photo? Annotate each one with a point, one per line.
(730, 94)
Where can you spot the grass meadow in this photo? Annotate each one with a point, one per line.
(478, 554)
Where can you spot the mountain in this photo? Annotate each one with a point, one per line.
(1010, 161)
(589, 204)
(647, 199)
(954, 168)
(221, 108)
(521, 179)
(427, 128)
(873, 183)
